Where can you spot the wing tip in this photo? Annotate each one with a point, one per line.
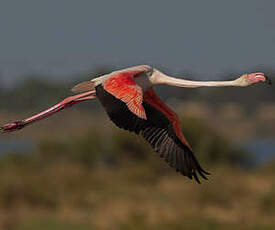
(190, 172)
(194, 175)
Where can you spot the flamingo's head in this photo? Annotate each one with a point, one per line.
(252, 78)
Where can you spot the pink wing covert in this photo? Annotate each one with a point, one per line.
(123, 87)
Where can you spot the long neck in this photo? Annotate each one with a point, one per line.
(161, 78)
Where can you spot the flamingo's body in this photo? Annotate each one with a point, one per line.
(131, 103)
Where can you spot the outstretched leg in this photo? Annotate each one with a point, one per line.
(67, 102)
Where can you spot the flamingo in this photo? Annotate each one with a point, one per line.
(128, 97)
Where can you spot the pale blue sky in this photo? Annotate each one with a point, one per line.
(63, 37)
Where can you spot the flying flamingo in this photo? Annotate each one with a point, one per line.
(131, 103)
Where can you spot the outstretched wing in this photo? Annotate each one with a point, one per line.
(164, 134)
(158, 125)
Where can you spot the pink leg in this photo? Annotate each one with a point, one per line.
(67, 102)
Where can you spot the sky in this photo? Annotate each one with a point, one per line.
(66, 37)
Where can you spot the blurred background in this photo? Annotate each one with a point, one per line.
(76, 170)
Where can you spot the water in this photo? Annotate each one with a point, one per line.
(261, 151)
(15, 145)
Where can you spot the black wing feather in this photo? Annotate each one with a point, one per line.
(157, 130)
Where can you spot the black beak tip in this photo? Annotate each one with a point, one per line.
(268, 80)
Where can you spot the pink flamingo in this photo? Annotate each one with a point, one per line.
(131, 103)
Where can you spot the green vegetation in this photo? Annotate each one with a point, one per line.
(106, 178)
